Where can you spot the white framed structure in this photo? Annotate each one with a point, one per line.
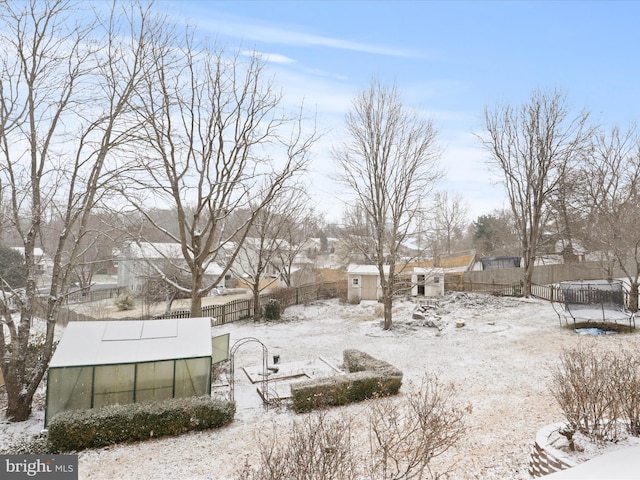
(117, 362)
(427, 282)
(364, 282)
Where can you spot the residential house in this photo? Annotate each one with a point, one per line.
(138, 262)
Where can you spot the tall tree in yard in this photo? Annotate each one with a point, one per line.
(264, 254)
(448, 218)
(532, 146)
(390, 164)
(66, 87)
(218, 142)
(609, 198)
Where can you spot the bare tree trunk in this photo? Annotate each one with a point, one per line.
(633, 296)
(390, 162)
(387, 301)
(214, 125)
(50, 60)
(257, 311)
(532, 146)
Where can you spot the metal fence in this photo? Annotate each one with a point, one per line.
(500, 289)
(84, 296)
(551, 293)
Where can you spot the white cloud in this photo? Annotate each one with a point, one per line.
(270, 57)
(254, 30)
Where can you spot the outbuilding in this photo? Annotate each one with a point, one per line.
(117, 362)
(364, 282)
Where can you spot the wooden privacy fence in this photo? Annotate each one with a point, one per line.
(242, 309)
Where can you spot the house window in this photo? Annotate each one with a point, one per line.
(436, 279)
(355, 282)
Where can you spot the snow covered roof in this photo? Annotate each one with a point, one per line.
(365, 269)
(132, 341)
(373, 270)
(148, 250)
(429, 270)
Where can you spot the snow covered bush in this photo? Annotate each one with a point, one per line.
(272, 310)
(315, 447)
(599, 393)
(405, 435)
(125, 301)
(99, 427)
(390, 438)
(368, 377)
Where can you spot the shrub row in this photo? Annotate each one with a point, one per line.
(82, 429)
(368, 377)
(599, 393)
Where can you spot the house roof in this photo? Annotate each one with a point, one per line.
(150, 251)
(432, 270)
(373, 270)
(365, 270)
(132, 341)
(154, 251)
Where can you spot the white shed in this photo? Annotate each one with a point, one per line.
(364, 282)
(108, 362)
(427, 282)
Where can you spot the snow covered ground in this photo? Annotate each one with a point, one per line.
(500, 362)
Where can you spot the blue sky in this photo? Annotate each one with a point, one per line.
(449, 59)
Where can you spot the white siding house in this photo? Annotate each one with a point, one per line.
(138, 262)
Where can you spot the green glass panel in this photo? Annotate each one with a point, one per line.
(113, 384)
(68, 389)
(154, 381)
(192, 377)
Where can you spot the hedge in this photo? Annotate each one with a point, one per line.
(368, 377)
(81, 429)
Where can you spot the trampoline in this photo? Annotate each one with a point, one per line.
(598, 301)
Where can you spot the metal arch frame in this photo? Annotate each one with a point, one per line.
(265, 371)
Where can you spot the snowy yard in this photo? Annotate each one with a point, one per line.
(499, 361)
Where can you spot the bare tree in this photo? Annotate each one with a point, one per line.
(610, 199)
(218, 142)
(258, 261)
(65, 89)
(389, 162)
(531, 147)
(357, 235)
(566, 217)
(298, 223)
(96, 246)
(449, 217)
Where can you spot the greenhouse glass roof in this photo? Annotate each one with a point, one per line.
(132, 341)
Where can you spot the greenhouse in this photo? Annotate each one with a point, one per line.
(116, 362)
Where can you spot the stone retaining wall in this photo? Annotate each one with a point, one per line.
(544, 459)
